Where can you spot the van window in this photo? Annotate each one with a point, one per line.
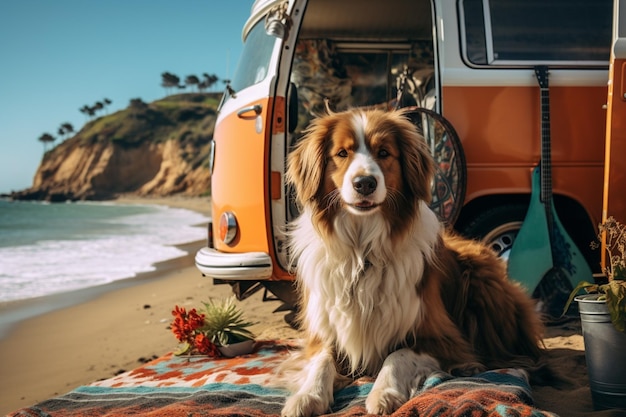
(255, 58)
(523, 32)
(374, 73)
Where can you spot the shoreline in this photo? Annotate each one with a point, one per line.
(13, 312)
(76, 338)
(51, 344)
(200, 205)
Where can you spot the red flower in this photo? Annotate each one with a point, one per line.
(178, 328)
(186, 327)
(179, 325)
(179, 312)
(195, 320)
(204, 345)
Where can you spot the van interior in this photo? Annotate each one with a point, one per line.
(358, 52)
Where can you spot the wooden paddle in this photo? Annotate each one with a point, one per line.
(544, 258)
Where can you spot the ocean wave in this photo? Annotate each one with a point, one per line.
(99, 248)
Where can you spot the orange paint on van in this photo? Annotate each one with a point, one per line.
(240, 179)
(500, 131)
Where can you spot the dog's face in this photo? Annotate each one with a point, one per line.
(363, 165)
(362, 162)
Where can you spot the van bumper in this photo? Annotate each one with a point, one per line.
(246, 266)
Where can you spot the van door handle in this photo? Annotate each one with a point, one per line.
(244, 112)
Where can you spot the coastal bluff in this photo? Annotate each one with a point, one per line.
(148, 149)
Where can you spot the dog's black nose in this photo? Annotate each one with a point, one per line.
(364, 185)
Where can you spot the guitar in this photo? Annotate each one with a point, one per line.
(544, 258)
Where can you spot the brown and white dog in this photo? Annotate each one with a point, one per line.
(385, 291)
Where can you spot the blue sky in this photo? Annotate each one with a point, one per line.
(57, 55)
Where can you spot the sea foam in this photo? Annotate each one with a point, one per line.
(93, 245)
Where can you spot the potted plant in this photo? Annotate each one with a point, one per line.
(229, 331)
(603, 319)
(217, 330)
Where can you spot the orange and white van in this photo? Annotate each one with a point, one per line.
(471, 61)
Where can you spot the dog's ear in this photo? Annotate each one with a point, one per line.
(418, 166)
(306, 163)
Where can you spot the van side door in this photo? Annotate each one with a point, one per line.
(248, 158)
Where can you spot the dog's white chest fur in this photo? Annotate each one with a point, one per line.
(362, 291)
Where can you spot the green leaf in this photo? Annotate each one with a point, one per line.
(183, 349)
(224, 322)
(619, 273)
(588, 286)
(616, 302)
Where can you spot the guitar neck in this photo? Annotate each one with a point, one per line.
(546, 156)
(541, 72)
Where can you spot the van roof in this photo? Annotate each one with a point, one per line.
(391, 19)
(257, 12)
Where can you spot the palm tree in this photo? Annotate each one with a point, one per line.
(169, 81)
(85, 110)
(192, 80)
(89, 111)
(107, 103)
(66, 129)
(210, 79)
(98, 106)
(45, 139)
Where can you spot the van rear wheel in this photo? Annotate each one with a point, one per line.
(497, 227)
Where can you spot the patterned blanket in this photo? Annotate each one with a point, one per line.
(242, 386)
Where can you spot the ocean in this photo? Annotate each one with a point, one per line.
(54, 248)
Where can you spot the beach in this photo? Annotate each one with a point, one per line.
(118, 326)
(100, 331)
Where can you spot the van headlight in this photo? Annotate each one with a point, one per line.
(228, 227)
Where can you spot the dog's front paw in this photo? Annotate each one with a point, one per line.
(384, 401)
(304, 405)
(399, 379)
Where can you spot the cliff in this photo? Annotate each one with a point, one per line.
(155, 149)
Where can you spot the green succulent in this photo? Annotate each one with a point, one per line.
(224, 322)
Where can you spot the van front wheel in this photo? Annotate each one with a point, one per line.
(497, 227)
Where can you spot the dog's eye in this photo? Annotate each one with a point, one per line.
(342, 153)
(382, 153)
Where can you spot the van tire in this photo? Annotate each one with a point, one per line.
(497, 227)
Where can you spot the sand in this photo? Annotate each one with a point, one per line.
(102, 331)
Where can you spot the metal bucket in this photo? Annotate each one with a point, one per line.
(605, 354)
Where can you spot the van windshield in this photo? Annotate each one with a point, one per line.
(255, 58)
